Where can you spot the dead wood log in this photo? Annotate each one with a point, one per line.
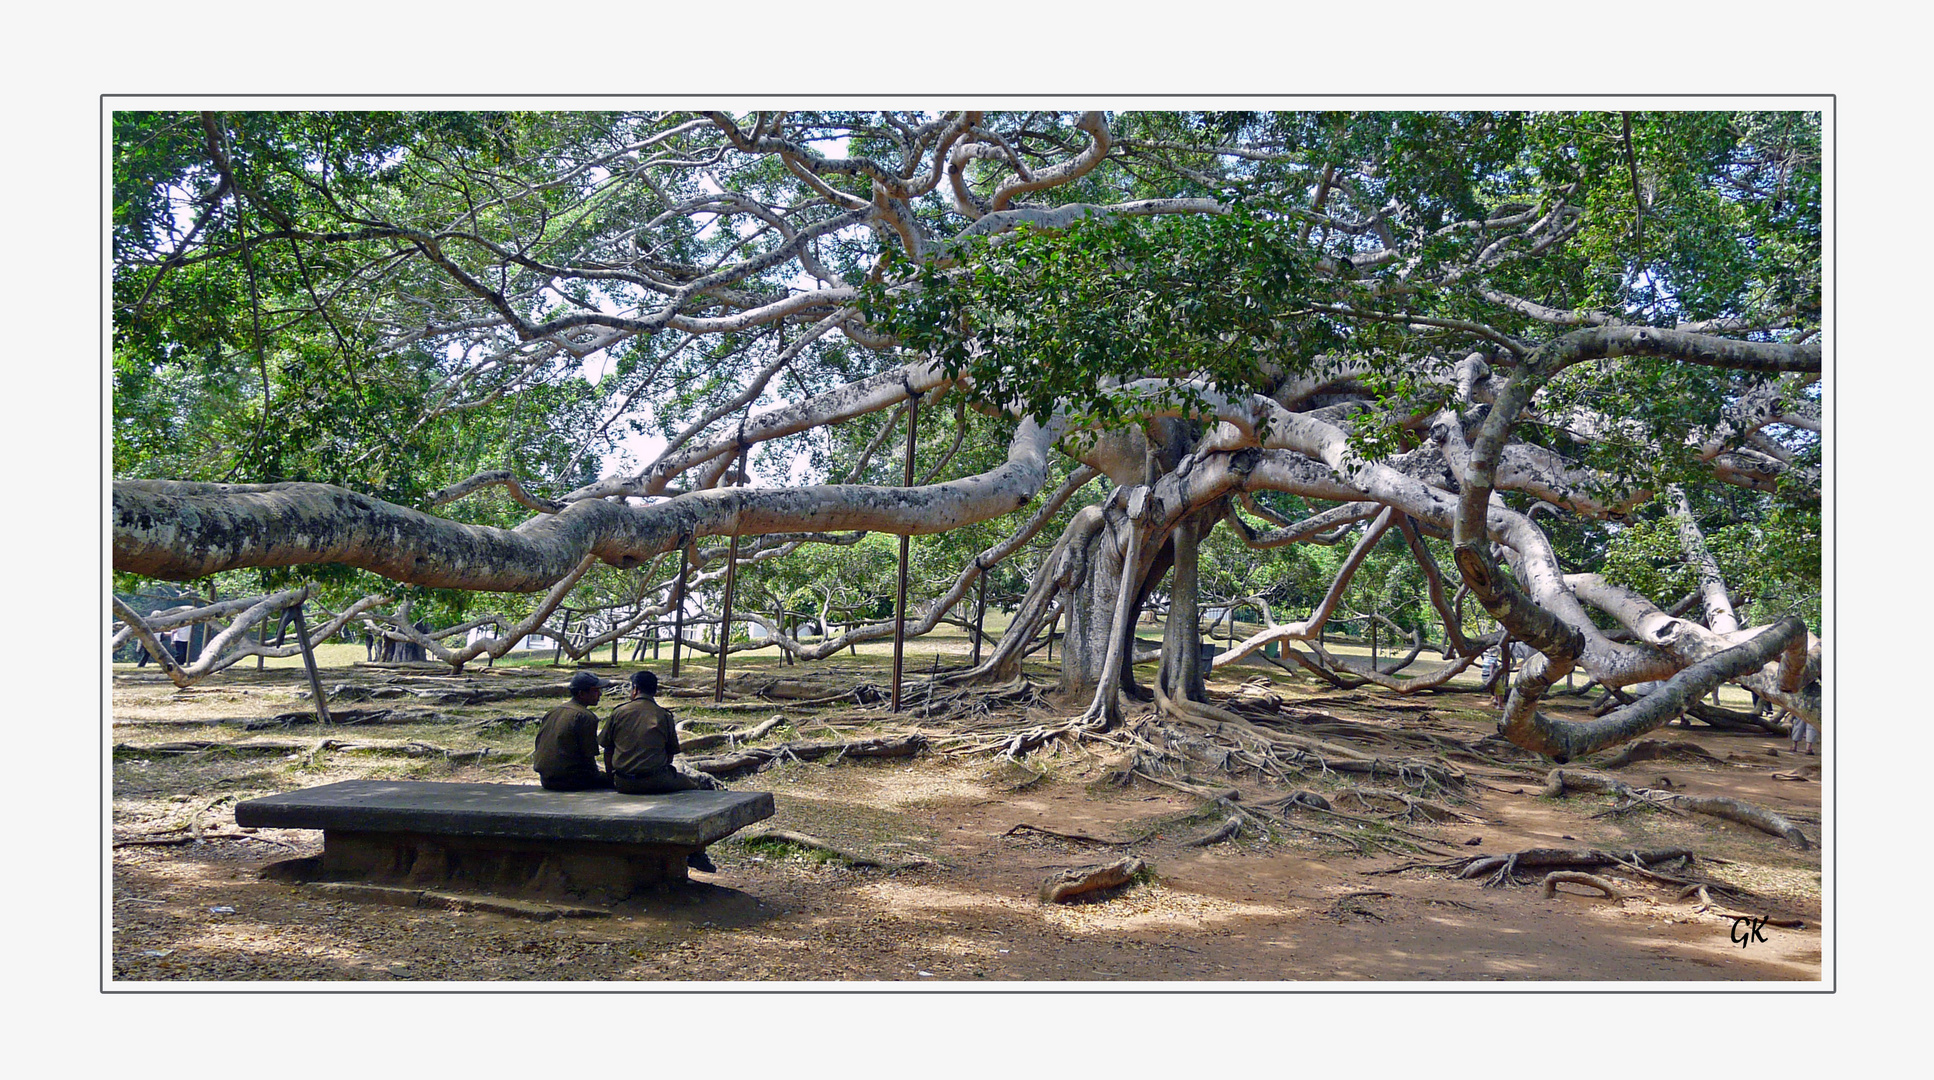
(1573, 877)
(1065, 884)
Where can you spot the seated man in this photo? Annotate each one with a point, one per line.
(567, 743)
(640, 741)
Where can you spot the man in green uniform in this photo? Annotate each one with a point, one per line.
(567, 743)
(640, 741)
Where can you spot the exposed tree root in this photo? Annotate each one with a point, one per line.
(1412, 806)
(1345, 905)
(1562, 781)
(758, 757)
(694, 743)
(1574, 877)
(1502, 868)
(1079, 838)
(1653, 749)
(1228, 830)
(177, 841)
(814, 843)
(1747, 814)
(410, 748)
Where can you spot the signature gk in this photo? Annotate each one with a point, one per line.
(1748, 929)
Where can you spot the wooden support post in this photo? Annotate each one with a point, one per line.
(309, 661)
(678, 607)
(906, 540)
(731, 574)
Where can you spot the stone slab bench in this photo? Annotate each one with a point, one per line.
(504, 839)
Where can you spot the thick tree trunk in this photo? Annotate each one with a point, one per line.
(1090, 618)
(1182, 668)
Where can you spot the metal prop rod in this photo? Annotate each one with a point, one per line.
(900, 606)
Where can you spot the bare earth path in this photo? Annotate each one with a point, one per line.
(972, 838)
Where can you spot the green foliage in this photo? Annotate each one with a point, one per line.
(330, 296)
(1060, 320)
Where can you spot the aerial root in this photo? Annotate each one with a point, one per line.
(1574, 877)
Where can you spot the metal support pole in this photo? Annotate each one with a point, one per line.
(906, 539)
(309, 661)
(980, 615)
(731, 574)
(678, 608)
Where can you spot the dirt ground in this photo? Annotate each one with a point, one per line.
(967, 839)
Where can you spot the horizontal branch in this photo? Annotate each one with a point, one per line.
(181, 531)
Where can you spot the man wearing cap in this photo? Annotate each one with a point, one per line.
(567, 743)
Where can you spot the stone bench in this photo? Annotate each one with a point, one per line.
(503, 839)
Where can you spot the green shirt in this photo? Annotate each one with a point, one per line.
(567, 743)
(640, 738)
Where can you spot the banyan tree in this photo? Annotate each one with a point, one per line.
(1556, 361)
